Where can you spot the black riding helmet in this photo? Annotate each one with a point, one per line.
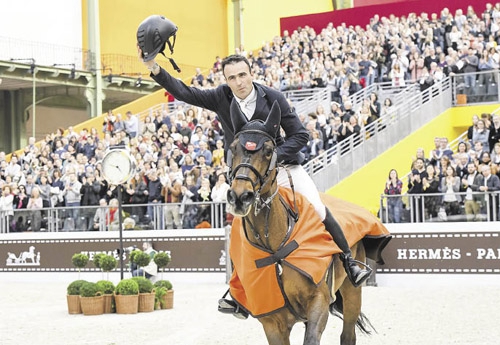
(153, 34)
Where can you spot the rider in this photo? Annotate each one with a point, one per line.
(255, 101)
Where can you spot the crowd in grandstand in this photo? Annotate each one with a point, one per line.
(180, 155)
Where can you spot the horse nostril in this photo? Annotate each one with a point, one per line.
(231, 196)
(247, 197)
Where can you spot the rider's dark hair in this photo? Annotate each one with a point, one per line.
(233, 59)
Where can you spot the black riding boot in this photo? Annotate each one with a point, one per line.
(355, 274)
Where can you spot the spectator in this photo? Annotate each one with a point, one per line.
(173, 196)
(470, 68)
(35, 204)
(393, 187)
(494, 132)
(490, 187)
(72, 194)
(450, 186)
(89, 197)
(481, 134)
(101, 216)
(7, 208)
(415, 186)
(430, 185)
(137, 188)
(472, 201)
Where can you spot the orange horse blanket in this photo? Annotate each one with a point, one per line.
(257, 289)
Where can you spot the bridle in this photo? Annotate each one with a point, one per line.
(262, 180)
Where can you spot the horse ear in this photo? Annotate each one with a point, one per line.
(273, 119)
(237, 117)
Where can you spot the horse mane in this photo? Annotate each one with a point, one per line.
(363, 323)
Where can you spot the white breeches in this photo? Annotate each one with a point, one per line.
(302, 184)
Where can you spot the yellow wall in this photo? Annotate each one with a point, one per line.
(365, 186)
(261, 18)
(201, 37)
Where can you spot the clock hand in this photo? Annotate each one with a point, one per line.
(118, 167)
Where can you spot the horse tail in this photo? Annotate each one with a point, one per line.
(363, 323)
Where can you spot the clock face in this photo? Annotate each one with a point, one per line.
(117, 167)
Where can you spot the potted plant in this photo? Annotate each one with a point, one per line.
(73, 297)
(79, 260)
(107, 290)
(107, 264)
(146, 294)
(127, 297)
(96, 259)
(91, 299)
(162, 260)
(168, 298)
(141, 259)
(160, 294)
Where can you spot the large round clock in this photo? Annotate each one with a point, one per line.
(118, 166)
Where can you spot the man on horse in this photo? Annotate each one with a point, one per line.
(255, 101)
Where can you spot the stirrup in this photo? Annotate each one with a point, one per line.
(227, 306)
(360, 275)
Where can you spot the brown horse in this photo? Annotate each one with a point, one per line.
(254, 197)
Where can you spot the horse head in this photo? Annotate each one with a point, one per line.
(252, 158)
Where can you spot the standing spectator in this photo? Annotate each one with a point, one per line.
(397, 76)
(21, 198)
(154, 194)
(204, 196)
(375, 107)
(430, 185)
(471, 183)
(393, 188)
(108, 126)
(173, 195)
(415, 186)
(72, 195)
(137, 188)
(148, 127)
(494, 132)
(450, 186)
(7, 208)
(481, 134)
(35, 204)
(491, 186)
(470, 67)
(219, 194)
(90, 197)
(131, 125)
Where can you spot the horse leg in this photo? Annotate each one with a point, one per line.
(316, 320)
(351, 298)
(277, 328)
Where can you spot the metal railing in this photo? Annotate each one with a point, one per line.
(135, 217)
(341, 160)
(485, 89)
(431, 207)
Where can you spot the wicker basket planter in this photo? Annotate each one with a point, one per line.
(168, 300)
(146, 302)
(127, 304)
(74, 306)
(92, 305)
(107, 302)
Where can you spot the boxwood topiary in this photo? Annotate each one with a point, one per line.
(145, 285)
(105, 287)
(164, 284)
(89, 289)
(74, 287)
(127, 287)
(97, 259)
(107, 263)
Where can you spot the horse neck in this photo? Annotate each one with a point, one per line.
(277, 224)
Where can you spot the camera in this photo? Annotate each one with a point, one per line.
(126, 250)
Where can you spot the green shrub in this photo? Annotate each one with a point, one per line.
(80, 260)
(142, 259)
(74, 287)
(97, 259)
(105, 287)
(107, 263)
(89, 289)
(127, 287)
(163, 284)
(133, 253)
(160, 292)
(145, 285)
(162, 259)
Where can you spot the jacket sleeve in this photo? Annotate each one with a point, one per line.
(296, 136)
(208, 99)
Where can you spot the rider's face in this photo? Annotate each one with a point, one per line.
(239, 79)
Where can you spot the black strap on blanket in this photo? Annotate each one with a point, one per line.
(282, 253)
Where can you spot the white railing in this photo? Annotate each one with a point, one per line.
(343, 159)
